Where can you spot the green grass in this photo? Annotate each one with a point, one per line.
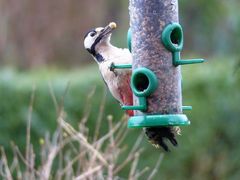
(208, 148)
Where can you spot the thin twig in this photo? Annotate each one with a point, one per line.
(122, 130)
(88, 106)
(88, 173)
(100, 116)
(15, 164)
(79, 137)
(137, 143)
(98, 143)
(139, 174)
(24, 160)
(61, 113)
(53, 96)
(32, 162)
(134, 166)
(127, 160)
(130, 155)
(108, 135)
(122, 138)
(46, 169)
(5, 163)
(112, 148)
(70, 163)
(154, 171)
(28, 138)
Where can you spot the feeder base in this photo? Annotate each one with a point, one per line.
(158, 120)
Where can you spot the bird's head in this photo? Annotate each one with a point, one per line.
(98, 37)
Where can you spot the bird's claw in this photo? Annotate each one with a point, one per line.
(112, 67)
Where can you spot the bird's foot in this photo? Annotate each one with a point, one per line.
(112, 68)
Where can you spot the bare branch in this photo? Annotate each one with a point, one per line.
(79, 137)
(154, 171)
(28, 138)
(88, 173)
(100, 116)
(141, 173)
(134, 166)
(7, 175)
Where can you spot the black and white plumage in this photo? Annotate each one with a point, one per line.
(97, 43)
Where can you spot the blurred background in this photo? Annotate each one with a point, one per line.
(41, 45)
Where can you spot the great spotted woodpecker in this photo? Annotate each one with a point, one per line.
(97, 43)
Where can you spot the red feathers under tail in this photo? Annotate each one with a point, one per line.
(127, 97)
(130, 112)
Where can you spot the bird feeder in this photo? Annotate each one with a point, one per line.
(155, 39)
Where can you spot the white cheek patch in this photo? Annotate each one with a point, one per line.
(88, 42)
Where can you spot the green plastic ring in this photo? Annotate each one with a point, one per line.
(173, 32)
(143, 82)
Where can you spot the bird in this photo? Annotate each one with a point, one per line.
(97, 43)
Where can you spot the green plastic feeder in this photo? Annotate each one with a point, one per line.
(172, 39)
(143, 83)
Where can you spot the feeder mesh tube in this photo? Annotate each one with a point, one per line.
(148, 18)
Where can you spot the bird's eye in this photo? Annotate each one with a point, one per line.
(93, 34)
(102, 30)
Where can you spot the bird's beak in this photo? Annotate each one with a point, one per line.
(108, 29)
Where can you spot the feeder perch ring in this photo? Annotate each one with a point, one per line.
(172, 37)
(143, 82)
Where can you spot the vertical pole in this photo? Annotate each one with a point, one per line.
(148, 18)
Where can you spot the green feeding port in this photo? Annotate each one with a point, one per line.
(176, 36)
(143, 83)
(172, 39)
